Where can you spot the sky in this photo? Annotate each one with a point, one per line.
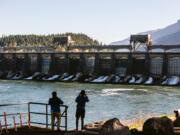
(104, 20)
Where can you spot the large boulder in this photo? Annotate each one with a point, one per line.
(158, 126)
(109, 127)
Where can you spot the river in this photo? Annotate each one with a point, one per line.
(106, 100)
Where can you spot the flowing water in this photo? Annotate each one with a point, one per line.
(106, 101)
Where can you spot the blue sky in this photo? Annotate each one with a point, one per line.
(104, 20)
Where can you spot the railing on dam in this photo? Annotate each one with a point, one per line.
(36, 114)
(79, 48)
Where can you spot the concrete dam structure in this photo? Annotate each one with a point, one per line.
(98, 67)
(141, 63)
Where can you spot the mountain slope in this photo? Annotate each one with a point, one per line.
(169, 39)
(164, 36)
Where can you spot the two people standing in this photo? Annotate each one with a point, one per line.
(55, 103)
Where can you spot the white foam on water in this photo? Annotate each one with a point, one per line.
(109, 94)
(115, 91)
(145, 90)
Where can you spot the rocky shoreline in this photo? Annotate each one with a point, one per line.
(152, 126)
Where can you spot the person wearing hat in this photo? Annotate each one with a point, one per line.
(55, 103)
(81, 100)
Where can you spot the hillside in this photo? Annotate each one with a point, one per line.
(46, 40)
(165, 36)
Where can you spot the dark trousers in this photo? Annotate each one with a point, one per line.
(80, 113)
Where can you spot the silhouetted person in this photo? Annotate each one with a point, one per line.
(55, 103)
(176, 112)
(176, 122)
(80, 111)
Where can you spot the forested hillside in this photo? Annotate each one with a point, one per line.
(47, 40)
